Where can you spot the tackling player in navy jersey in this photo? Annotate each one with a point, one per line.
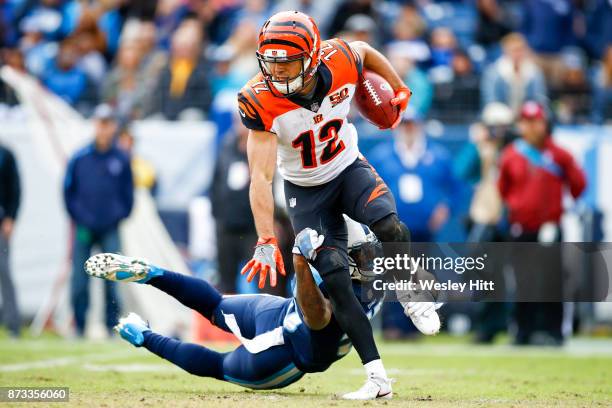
(282, 338)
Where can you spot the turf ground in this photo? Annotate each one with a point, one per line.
(440, 372)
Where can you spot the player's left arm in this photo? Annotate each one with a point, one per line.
(316, 309)
(373, 60)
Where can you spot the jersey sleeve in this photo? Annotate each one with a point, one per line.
(248, 113)
(355, 56)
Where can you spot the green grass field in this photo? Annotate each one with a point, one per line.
(441, 372)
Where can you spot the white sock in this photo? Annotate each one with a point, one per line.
(375, 368)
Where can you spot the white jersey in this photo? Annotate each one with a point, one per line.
(316, 142)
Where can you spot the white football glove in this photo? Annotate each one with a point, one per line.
(307, 242)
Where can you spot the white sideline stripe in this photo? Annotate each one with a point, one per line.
(130, 368)
(55, 362)
(63, 361)
(575, 348)
(414, 371)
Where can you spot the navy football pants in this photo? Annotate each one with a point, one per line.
(254, 315)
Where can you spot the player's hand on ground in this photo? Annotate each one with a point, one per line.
(402, 97)
(267, 259)
(307, 242)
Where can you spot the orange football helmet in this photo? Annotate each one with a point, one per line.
(289, 36)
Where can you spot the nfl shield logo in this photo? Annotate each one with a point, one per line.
(292, 202)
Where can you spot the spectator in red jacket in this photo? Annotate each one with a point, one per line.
(534, 167)
(533, 174)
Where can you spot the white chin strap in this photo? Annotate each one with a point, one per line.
(294, 84)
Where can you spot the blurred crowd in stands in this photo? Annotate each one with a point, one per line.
(470, 63)
(175, 58)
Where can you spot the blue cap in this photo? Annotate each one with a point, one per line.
(104, 112)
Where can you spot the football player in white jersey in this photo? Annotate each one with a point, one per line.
(296, 109)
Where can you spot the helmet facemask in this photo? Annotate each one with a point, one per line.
(361, 259)
(290, 86)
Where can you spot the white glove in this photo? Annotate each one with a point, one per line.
(307, 242)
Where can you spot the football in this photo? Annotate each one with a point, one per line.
(373, 98)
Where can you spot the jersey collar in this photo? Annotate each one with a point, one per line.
(324, 83)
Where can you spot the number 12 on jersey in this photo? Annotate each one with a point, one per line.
(306, 143)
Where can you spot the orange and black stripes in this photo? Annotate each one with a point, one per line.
(346, 50)
(338, 60)
(280, 41)
(253, 97)
(287, 31)
(294, 24)
(380, 189)
(262, 102)
(283, 33)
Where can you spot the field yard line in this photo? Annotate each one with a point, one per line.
(575, 348)
(131, 367)
(502, 351)
(63, 361)
(55, 362)
(415, 371)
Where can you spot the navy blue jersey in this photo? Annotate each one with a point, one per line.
(276, 343)
(316, 350)
(276, 349)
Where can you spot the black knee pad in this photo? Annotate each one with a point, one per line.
(391, 229)
(331, 260)
(332, 265)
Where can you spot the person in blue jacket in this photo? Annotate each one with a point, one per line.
(98, 193)
(419, 174)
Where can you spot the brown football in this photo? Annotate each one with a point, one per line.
(373, 97)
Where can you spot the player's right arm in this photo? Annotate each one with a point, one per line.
(267, 259)
(261, 152)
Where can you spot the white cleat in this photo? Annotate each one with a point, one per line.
(424, 316)
(120, 268)
(420, 306)
(374, 388)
